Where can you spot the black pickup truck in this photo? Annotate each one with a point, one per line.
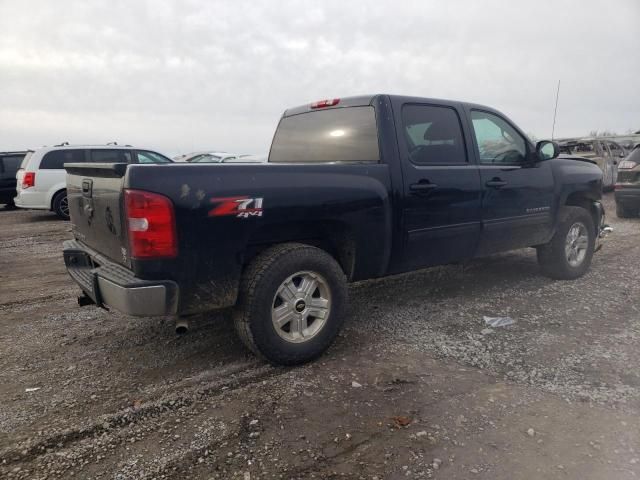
(355, 188)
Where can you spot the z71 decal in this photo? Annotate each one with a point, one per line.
(241, 207)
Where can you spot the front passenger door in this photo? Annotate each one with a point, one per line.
(517, 193)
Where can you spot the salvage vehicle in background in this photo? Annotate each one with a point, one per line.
(41, 182)
(355, 188)
(627, 191)
(219, 157)
(605, 153)
(9, 164)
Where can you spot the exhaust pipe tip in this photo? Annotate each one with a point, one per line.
(182, 327)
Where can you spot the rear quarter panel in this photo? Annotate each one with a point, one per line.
(298, 202)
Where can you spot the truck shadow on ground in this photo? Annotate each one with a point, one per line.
(211, 341)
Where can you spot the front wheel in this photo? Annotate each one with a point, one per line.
(568, 255)
(291, 303)
(60, 205)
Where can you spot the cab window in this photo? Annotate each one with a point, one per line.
(321, 136)
(497, 141)
(433, 135)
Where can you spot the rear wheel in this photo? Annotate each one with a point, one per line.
(291, 303)
(568, 255)
(60, 205)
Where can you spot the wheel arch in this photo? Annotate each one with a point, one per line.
(334, 237)
(55, 191)
(581, 199)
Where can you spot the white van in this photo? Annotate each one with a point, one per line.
(41, 179)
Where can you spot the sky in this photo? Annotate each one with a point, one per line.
(189, 75)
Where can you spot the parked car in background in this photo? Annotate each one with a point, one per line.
(215, 157)
(188, 157)
(605, 153)
(228, 158)
(628, 142)
(9, 164)
(185, 157)
(628, 186)
(41, 178)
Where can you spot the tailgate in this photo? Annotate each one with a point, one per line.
(94, 192)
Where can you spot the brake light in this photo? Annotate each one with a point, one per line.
(29, 179)
(151, 225)
(325, 103)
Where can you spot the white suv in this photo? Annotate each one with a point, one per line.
(41, 179)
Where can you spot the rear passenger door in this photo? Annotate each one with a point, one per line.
(517, 192)
(441, 203)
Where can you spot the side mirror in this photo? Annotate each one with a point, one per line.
(546, 150)
(622, 155)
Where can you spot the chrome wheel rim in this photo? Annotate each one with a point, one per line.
(64, 206)
(301, 307)
(576, 244)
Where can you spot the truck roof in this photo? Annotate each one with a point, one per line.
(364, 100)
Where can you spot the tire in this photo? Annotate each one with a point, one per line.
(267, 283)
(563, 258)
(60, 206)
(622, 211)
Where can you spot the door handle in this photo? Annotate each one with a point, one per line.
(422, 187)
(496, 183)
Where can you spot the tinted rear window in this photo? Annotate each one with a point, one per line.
(433, 135)
(57, 159)
(9, 165)
(110, 156)
(335, 135)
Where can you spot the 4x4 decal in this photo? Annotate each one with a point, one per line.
(241, 207)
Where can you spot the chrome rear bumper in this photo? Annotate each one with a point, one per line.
(108, 284)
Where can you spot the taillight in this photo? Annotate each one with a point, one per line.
(325, 103)
(151, 225)
(29, 179)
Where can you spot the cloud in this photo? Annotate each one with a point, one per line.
(181, 76)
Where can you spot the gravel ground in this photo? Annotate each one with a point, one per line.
(417, 386)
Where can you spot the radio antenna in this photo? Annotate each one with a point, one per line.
(555, 111)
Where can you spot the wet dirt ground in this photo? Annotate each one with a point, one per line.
(416, 386)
